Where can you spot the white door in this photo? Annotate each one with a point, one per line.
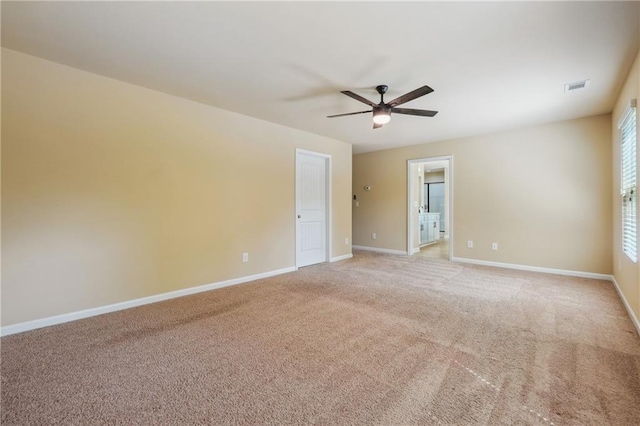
(311, 209)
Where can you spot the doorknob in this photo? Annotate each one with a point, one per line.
(299, 216)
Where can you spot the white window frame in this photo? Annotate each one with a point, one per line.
(629, 181)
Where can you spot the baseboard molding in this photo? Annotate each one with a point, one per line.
(379, 250)
(580, 274)
(634, 318)
(343, 257)
(415, 250)
(73, 316)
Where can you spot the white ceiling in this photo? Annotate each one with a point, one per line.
(493, 66)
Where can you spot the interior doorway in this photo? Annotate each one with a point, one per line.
(430, 207)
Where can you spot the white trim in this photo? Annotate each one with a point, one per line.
(72, 316)
(316, 153)
(343, 257)
(409, 207)
(570, 273)
(451, 202)
(415, 250)
(634, 318)
(449, 180)
(379, 250)
(628, 110)
(329, 196)
(329, 188)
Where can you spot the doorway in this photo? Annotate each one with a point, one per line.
(313, 207)
(430, 207)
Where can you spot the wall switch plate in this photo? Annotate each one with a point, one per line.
(494, 246)
(245, 257)
(469, 244)
(346, 241)
(374, 236)
(357, 203)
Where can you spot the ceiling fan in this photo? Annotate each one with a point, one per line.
(382, 111)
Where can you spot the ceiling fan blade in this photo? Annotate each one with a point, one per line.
(376, 125)
(359, 98)
(409, 111)
(348, 113)
(424, 90)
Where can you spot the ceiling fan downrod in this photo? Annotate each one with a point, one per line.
(382, 89)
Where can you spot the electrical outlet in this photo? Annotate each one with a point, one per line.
(469, 244)
(374, 236)
(494, 246)
(245, 257)
(346, 241)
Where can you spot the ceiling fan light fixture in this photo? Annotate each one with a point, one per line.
(381, 116)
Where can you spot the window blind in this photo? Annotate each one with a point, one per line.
(629, 183)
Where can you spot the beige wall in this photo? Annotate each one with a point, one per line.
(626, 272)
(540, 192)
(434, 177)
(112, 192)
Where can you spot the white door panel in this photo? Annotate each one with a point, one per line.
(311, 209)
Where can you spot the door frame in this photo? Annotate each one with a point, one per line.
(328, 209)
(449, 179)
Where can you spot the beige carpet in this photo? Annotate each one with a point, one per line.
(378, 339)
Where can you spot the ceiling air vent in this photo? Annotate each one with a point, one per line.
(572, 87)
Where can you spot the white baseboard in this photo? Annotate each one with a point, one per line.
(343, 257)
(379, 250)
(634, 318)
(580, 274)
(415, 250)
(72, 316)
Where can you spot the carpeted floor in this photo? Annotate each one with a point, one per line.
(377, 339)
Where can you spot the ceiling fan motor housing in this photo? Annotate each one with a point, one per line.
(382, 89)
